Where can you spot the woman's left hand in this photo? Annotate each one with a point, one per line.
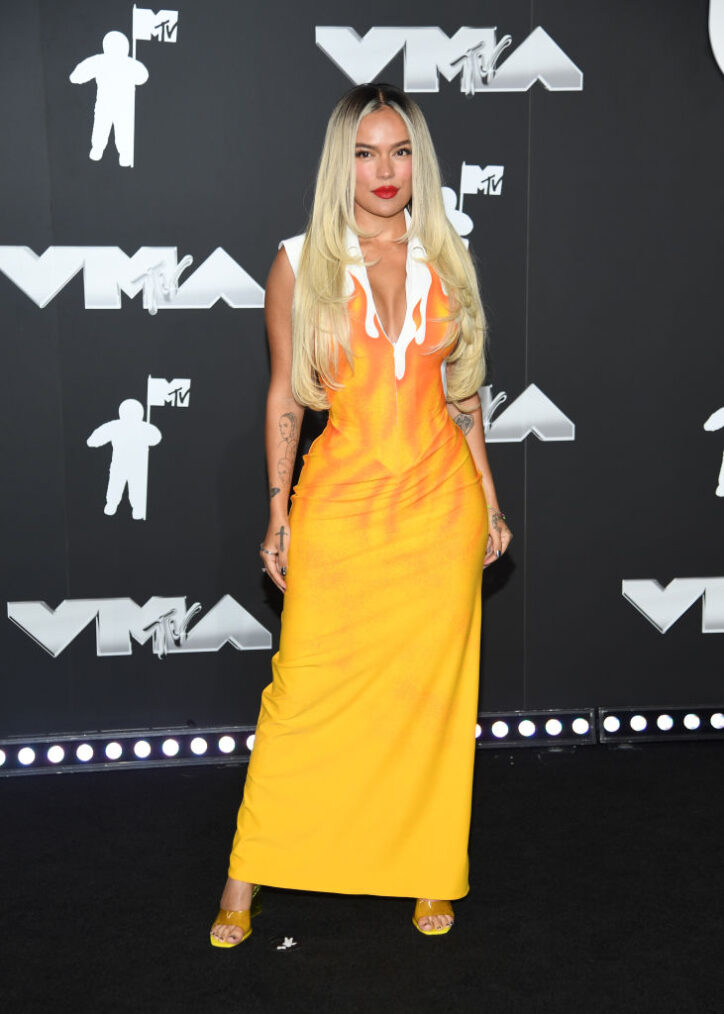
(499, 536)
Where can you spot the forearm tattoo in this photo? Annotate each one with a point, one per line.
(273, 492)
(286, 449)
(281, 533)
(464, 421)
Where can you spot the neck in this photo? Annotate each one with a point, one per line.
(387, 230)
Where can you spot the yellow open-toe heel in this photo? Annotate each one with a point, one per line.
(425, 907)
(240, 919)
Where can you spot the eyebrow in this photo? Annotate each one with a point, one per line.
(373, 147)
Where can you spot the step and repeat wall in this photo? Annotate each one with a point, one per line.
(153, 160)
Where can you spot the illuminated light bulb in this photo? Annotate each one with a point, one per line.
(84, 753)
(692, 721)
(554, 727)
(170, 747)
(250, 741)
(716, 720)
(199, 746)
(26, 755)
(499, 729)
(114, 751)
(142, 749)
(55, 754)
(478, 730)
(638, 723)
(3, 757)
(526, 727)
(611, 723)
(227, 744)
(580, 726)
(665, 722)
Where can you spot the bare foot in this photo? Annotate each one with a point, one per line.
(236, 898)
(428, 922)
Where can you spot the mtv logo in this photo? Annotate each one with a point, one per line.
(492, 181)
(163, 621)
(159, 25)
(662, 607)
(472, 53)
(108, 272)
(531, 412)
(174, 392)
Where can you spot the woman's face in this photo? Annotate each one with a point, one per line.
(285, 428)
(383, 159)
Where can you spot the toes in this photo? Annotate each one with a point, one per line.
(227, 934)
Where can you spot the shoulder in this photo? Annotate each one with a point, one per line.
(293, 248)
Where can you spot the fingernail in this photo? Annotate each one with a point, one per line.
(284, 570)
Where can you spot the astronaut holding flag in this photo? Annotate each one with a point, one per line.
(117, 75)
(131, 437)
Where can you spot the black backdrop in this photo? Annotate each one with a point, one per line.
(599, 258)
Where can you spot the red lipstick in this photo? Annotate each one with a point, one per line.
(386, 192)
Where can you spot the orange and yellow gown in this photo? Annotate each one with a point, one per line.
(360, 778)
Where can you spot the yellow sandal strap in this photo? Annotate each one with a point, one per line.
(227, 917)
(425, 907)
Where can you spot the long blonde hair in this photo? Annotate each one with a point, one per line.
(320, 325)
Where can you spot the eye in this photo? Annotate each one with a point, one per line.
(404, 151)
(358, 154)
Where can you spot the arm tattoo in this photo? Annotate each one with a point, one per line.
(465, 422)
(273, 491)
(287, 447)
(281, 534)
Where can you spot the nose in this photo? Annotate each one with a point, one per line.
(384, 167)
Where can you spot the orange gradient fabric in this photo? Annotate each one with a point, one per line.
(360, 778)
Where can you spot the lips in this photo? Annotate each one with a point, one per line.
(386, 192)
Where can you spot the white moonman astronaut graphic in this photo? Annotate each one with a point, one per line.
(716, 422)
(130, 438)
(460, 221)
(716, 31)
(117, 75)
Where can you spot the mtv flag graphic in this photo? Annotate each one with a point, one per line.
(713, 423)
(473, 180)
(117, 75)
(167, 392)
(160, 25)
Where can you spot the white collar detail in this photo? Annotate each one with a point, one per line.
(417, 286)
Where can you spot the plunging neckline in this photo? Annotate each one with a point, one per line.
(418, 278)
(374, 302)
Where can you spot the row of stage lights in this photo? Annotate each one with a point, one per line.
(657, 724)
(104, 751)
(101, 751)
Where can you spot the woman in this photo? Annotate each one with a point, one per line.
(360, 779)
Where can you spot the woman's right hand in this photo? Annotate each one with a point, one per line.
(274, 550)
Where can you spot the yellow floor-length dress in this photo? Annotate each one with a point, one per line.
(360, 778)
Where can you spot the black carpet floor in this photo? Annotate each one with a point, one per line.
(596, 886)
